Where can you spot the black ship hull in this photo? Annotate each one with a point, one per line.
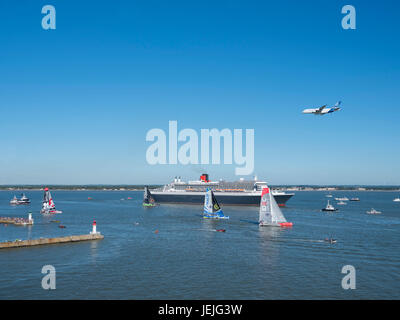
(245, 199)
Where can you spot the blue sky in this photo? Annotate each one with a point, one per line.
(76, 102)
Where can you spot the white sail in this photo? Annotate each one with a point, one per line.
(208, 204)
(277, 215)
(265, 207)
(270, 213)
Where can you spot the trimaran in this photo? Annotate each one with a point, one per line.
(212, 210)
(48, 205)
(148, 200)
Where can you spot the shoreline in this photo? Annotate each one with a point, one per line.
(278, 188)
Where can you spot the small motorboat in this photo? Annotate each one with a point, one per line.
(342, 203)
(329, 208)
(396, 199)
(90, 198)
(24, 199)
(373, 211)
(61, 226)
(330, 240)
(220, 230)
(342, 199)
(14, 201)
(355, 199)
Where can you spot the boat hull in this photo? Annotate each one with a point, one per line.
(224, 198)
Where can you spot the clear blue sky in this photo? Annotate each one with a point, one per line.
(76, 102)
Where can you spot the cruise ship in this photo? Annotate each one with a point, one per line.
(242, 192)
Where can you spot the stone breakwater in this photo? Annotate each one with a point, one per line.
(16, 221)
(41, 241)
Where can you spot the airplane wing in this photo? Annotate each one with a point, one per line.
(321, 108)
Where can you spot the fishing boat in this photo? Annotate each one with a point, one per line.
(14, 201)
(48, 205)
(270, 213)
(396, 199)
(212, 209)
(373, 211)
(148, 200)
(329, 208)
(24, 199)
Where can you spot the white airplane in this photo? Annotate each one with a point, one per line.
(323, 110)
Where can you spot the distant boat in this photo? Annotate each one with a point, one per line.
(330, 240)
(396, 199)
(14, 201)
(329, 207)
(355, 199)
(270, 213)
(373, 211)
(342, 203)
(148, 200)
(24, 199)
(212, 210)
(342, 199)
(329, 195)
(48, 205)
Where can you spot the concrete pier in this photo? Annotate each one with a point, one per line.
(37, 242)
(17, 221)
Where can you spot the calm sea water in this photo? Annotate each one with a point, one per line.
(187, 259)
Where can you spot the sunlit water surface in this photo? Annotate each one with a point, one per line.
(188, 259)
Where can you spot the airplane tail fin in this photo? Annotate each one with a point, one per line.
(337, 104)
